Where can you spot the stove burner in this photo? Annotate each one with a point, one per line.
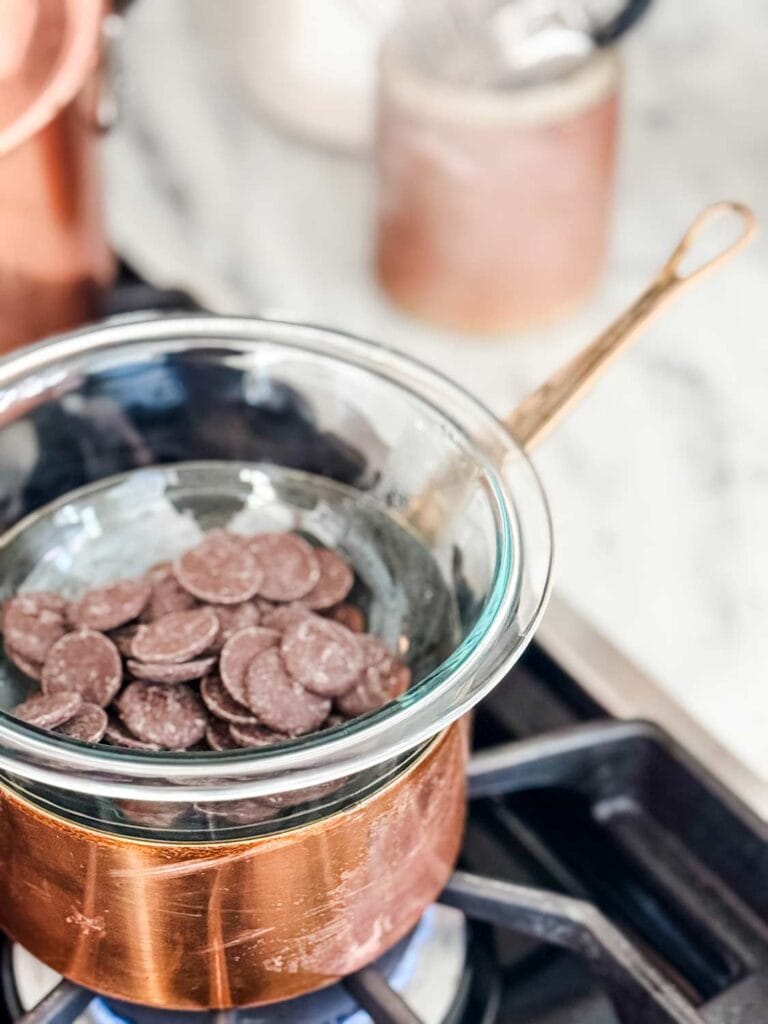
(427, 969)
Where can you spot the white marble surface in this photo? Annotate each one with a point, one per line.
(659, 482)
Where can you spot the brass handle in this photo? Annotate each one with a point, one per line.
(541, 410)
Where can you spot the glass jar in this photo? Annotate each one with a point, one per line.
(495, 167)
(211, 879)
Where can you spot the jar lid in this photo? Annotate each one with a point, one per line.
(508, 44)
(47, 48)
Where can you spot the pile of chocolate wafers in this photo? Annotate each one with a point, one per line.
(241, 642)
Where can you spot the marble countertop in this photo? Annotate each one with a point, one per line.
(659, 482)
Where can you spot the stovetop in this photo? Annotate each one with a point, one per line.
(606, 878)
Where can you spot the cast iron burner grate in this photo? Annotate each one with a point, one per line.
(606, 877)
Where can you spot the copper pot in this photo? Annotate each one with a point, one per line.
(186, 926)
(54, 256)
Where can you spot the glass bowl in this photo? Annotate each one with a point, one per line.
(119, 443)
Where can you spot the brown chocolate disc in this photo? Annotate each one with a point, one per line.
(349, 616)
(238, 653)
(86, 662)
(404, 678)
(289, 565)
(373, 650)
(278, 701)
(283, 616)
(220, 702)
(309, 794)
(238, 812)
(47, 711)
(171, 716)
(33, 669)
(30, 602)
(33, 622)
(176, 637)
(122, 638)
(117, 734)
(218, 736)
(220, 569)
(88, 724)
(167, 594)
(333, 720)
(109, 607)
(255, 735)
(182, 672)
(367, 695)
(234, 617)
(322, 655)
(159, 572)
(336, 580)
(152, 813)
(382, 679)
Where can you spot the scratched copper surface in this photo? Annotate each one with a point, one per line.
(234, 924)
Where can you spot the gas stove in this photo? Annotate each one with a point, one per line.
(607, 876)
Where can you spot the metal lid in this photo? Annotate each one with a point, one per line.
(506, 44)
(47, 48)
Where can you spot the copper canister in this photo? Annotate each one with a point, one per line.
(54, 256)
(198, 926)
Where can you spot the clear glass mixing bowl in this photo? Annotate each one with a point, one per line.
(119, 442)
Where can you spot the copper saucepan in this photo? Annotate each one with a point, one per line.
(108, 875)
(54, 256)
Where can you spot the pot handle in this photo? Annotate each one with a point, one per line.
(542, 409)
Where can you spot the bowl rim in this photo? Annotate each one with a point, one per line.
(482, 659)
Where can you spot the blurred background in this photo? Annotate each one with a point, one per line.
(483, 185)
